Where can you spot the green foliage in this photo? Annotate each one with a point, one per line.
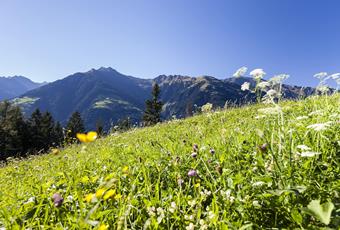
(75, 125)
(153, 107)
(19, 137)
(249, 169)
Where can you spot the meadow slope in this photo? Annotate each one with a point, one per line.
(238, 168)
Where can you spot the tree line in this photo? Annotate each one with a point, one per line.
(20, 137)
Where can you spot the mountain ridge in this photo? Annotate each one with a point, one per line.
(107, 95)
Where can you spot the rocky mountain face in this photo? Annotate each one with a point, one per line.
(11, 87)
(107, 96)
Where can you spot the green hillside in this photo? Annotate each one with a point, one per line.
(253, 167)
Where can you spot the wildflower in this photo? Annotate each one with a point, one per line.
(303, 147)
(316, 112)
(270, 110)
(335, 76)
(191, 226)
(180, 182)
(211, 215)
(319, 126)
(203, 225)
(278, 79)
(30, 200)
(195, 147)
(173, 207)
(151, 211)
(192, 173)
(109, 194)
(125, 169)
(272, 93)
(85, 179)
(257, 74)
(260, 116)
(100, 192)
(264, 147)
(245, 86)
(57, 200)
(212, 151)
(55, 151)
(161, 215)
(321, 75)
(301, 117)
(89, 137)
(103, 227)
(309, 154)
(194, 154)
(70, 198)
(258, 183)
(207, 108)
(89, 197)
(263, 85)
(256, 204)
(240, 72)
(322, 88)
(118, 196)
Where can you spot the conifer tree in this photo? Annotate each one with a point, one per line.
(75, 125)
(12, 130)
(36, 135)
(153, 107)
(58, 134)
(47, 130)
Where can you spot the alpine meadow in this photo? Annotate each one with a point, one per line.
(269, 165)
(169, 115)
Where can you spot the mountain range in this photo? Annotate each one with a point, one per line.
(11, 87)
(106, 95)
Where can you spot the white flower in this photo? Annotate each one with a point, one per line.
(173, 207)
(272, 93)
(303, 147)
(257, 74)
(207, 108)
(30, 200)
(270, 110)
(260, 116)
(240, 72)
(278, 79)
(258, 183)
(263, 84)
(335, 76)
(301, 117)
(320, 126)
(316, 112)
(245, 86)
(211, 215)
(256, 204)
(191, 226)
(151, 211)
(321, 75)
(309, 154)
(322, 88)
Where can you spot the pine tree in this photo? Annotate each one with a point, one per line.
(47, 130)
(58, 134)
(153, 107)
(75, 125)
(12, 130)
(36, 135)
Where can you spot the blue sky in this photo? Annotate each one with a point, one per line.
(48, 40)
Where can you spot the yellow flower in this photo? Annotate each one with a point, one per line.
(89, 137)
(100, 192)
(94, 179)
(197, 185)
(85, 179)
(109, 194)
(125, 169)
(55, 151)
(109, 177)
(103, 227)
(118, 196)
(88, 198)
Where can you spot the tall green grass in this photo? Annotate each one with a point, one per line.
(254, 168)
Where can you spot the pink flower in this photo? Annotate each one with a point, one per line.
(192, 173)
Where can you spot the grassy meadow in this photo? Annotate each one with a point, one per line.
(259, 166)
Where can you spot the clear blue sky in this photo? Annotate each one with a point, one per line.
(47, 40)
